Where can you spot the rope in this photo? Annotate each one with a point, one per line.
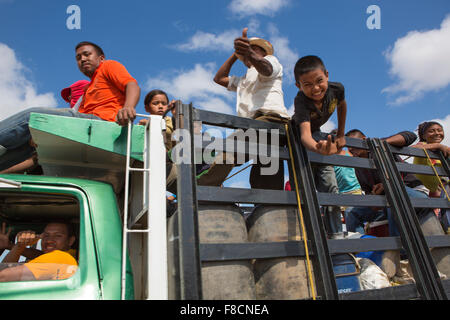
(313, 293)
(437, 175)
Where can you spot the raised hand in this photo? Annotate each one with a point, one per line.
(171, 108)
(242, 44)
(27, 238)
(378, 189)
(327, 147)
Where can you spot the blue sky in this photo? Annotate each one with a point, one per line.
(395, 77)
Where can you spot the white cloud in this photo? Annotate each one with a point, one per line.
(291, 110)
(253, 27)
(420, 63)
(287, 56)
(203, 41)
(328, 126)
(252, 7)
(210, 42)
(16, 91)
(206, 41)
(197, 86)
(215, 104)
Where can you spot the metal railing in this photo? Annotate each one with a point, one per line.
(192, 253)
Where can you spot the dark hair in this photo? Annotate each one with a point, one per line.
(424, 127)
(354, 131)
(307, 64)
(87, 43)
(151, 94)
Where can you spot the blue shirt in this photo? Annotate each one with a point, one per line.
(346, 178)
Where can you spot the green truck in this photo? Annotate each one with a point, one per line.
(221, 243)
(84, 164)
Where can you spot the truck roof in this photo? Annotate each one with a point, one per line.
(84, 148)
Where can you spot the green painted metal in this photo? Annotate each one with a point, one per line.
(100, 134)
(99, 273)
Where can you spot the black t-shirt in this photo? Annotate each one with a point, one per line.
(368, 178)
(305, 110)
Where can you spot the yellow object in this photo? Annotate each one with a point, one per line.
(437, 176)
(431, 182)
(169, 130)
(305, 240)
(54, 265)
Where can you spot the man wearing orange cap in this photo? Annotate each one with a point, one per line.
(259, 93)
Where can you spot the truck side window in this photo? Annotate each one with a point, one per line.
(55, 257)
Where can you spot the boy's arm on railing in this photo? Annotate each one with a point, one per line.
(401, 139)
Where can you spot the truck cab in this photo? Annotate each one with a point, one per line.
(83, 184)
(29, 202)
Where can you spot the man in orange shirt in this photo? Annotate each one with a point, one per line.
(112, 95)
(55, 261)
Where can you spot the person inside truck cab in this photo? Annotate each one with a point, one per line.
(112, 95)
(55, 261)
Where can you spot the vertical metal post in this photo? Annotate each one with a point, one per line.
(156, 194)
(425, 273)
(154, 205)
(323, 267)
(445, 163)
(190, 266)
(125, 215)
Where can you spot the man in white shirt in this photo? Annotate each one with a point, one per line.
(259, 93)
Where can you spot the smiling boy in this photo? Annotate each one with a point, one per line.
(314, 105)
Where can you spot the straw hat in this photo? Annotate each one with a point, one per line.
(266, 45)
